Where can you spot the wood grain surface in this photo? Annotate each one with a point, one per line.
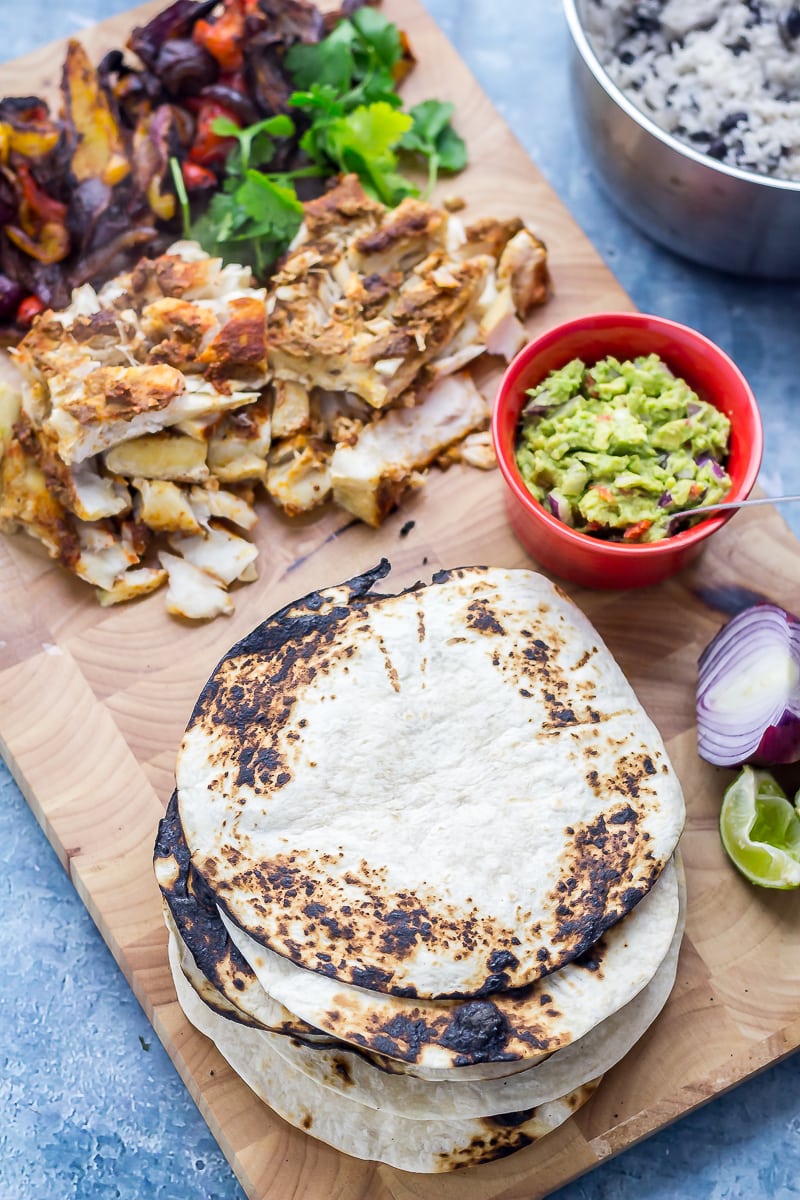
(93, 703)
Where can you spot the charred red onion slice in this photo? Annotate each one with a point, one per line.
(748, 690)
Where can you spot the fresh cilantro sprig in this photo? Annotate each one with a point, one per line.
(433, 137)
(345, 89)
(256, 214)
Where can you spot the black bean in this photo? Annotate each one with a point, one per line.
(731, 121)
(755, 13)
(789, 26)
(700, 135)
(740, 46)
(645, 16)
(717, 149)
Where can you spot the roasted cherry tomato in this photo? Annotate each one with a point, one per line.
(196, 177)
(29, 308)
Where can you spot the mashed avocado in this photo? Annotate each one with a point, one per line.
(616, 448)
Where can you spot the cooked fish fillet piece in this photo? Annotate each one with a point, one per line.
(217, 551)
(369, 477)
(27, 504)
(115, 404)
(405, 236)
(344, 212)
(330, 346)
(299, 473)
(468, 344)
(165, 507)
(486, 235)
(367, 297)
(522, 267)
(96, 496)
(10, 408)
(178, 331)
(239, 350)
(214, 501)
(185, 271)
(238, 447)
(104, 557)
(176, 339)
(192, 592)
(500, 329)
(135, 582)
(81, 489)
(290, 408)
(168, 456)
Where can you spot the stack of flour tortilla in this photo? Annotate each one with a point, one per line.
(419, 868)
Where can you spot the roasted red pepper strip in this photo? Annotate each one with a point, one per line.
(42, 231)
(209, 148)
(223, 38)
(39, 203)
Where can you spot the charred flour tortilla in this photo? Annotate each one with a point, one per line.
(524, 1025)
(450, 792)
(426, 1146)
(193, 916)
(435, 1039)
(341, 1069)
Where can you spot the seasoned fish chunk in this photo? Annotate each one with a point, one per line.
(366, 297)
(369, 477)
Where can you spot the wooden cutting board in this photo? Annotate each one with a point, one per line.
(93, 703)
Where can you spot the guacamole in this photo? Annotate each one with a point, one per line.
(614, 449)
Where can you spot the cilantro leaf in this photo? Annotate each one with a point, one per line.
(252, 220)
(364, 141)
(432, 136)
(329, 63)
(266, 200)
(379, 43)
(256, 142)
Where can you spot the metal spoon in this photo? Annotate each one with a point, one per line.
(703, 510)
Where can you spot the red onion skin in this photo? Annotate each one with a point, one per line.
(780, 743)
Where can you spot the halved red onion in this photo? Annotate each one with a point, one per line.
(748, 690)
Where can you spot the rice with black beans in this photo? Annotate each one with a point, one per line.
(723, 77)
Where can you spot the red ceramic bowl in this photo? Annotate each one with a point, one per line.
(579, 557)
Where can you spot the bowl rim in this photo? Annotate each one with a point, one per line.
(584, 542)
(591, 60)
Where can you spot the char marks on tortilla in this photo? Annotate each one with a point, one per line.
(450, 792)
(471, 1038)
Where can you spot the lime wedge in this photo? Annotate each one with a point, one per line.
(760, 830)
